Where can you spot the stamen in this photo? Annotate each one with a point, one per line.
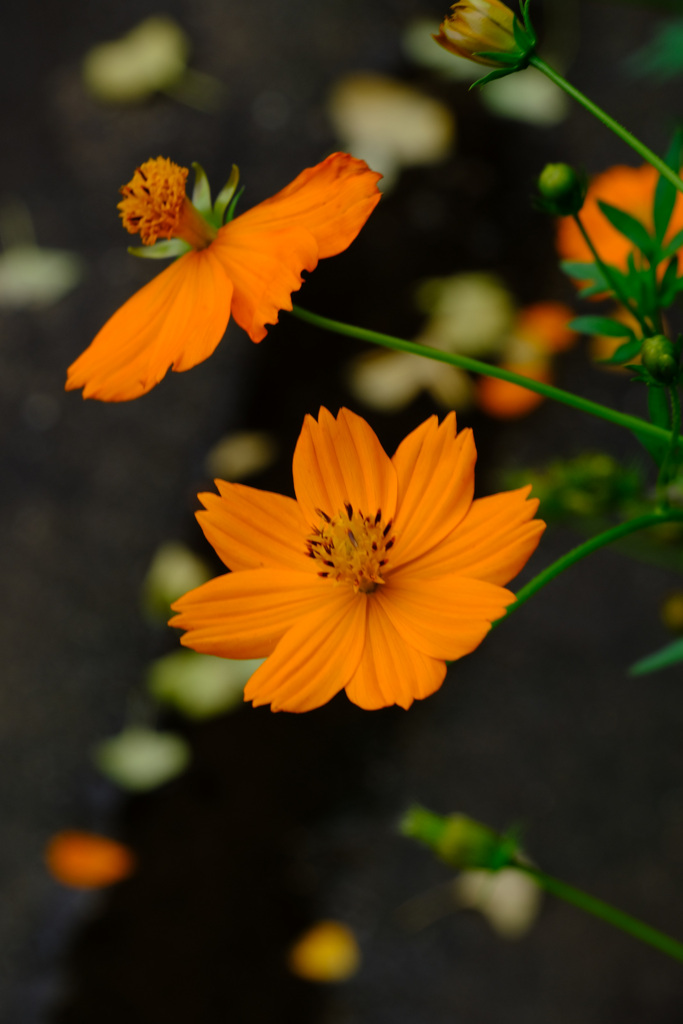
(155, 205)
(352, 546)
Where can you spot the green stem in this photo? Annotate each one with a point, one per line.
(608, 121)
(606, 912)
(620, 419)
(612, 280)
(665, 470)
(587, 548)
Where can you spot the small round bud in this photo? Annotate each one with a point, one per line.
(562, 189)
(460, 841)
(659, 358)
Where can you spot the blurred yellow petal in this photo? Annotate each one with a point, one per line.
(152, 56)
(241, 455)
(508, 899)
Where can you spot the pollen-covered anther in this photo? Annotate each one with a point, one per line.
(155, 205)
(352, 548)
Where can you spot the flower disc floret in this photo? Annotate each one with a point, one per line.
(153, 200)
(352, 548)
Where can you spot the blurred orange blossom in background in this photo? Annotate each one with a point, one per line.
(539, 332)
(84, 860)
(629, 188)
(380, 570)
(249, 266)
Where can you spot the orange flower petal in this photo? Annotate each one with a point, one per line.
(492, 543)
(249, 528)
(445, 617)
(264, 265)
(435, 468)
(265, 250)
(341, 460)
(390, 670)
(544, 324)
(332, 201)
(316, 658)
(176, 320)
(87, 861)
(245, 614)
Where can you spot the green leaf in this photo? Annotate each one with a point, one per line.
(670, 284)
(201, 193)
(673, 246)
(657, 449)
(601, 325)
(164, 250)
(231, 209)
(629, 350)
(665, 193)
(672, 654)
(629, 227)
(491, 77)
(225, 195)
(582, 271)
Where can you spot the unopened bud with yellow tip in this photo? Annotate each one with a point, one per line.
(460, 841)
(488, 32)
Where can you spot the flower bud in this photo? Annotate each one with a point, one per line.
(458, 840)
(659, 358)
(479, 27)
(562, 189)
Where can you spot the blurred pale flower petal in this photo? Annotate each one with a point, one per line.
(200, 685)
(174, 570)
(151, 57)
(527, 96)
(387, 380)
(418, 44)
(241, 454)
(327, 952)
(140, 759)
(30, 276)
(508, 899)
(469, 313)
(390, 124)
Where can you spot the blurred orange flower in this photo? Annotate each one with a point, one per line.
(540, 331)
(380, 570)
(83, 860)
(249, 266)
(629, 188)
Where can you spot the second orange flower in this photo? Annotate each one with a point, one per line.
(248, 267)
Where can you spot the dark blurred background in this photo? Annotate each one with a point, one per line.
(282, 820)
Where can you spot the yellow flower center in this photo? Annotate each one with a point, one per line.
(155, 205)
(352, 548)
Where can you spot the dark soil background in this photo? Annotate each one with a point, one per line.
(282, 820)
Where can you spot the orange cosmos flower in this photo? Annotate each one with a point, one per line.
(478, 26)
(84, 860)
(378, 572)
(629, 188)
(540, 331)
(249, 266)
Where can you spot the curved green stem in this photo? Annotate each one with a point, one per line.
(587, 548)
(609, 122)
(612, 280)
(620, 419)
(669, 460)
(605, 911)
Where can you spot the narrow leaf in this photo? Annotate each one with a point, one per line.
(161, 250)
(670, 283)
(201, 193)
(672, 654)
(582, 271)
(629, 350)
(601, 325)
(225, 195)
(629, 227)
(673, 246)
(665, 193)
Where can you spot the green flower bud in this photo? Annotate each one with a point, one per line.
(460, 841)
(562, 189)
(659, 358)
